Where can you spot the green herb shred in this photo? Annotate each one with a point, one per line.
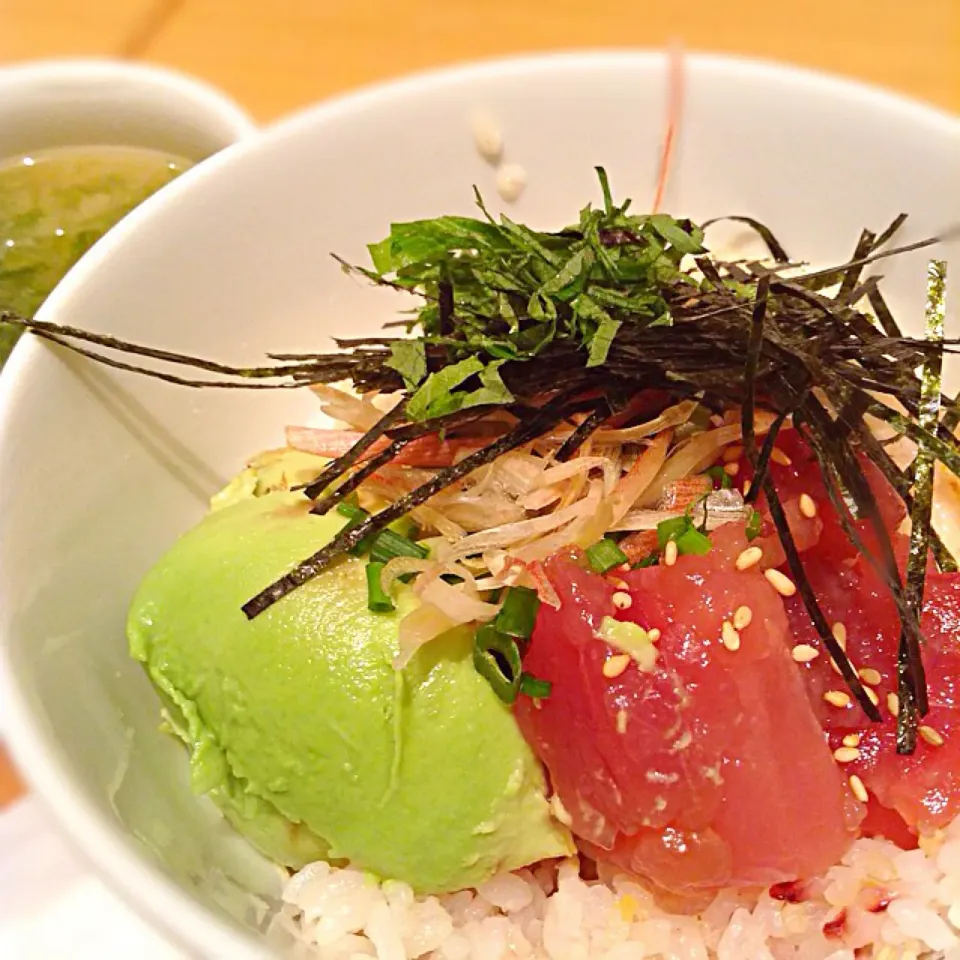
(604, 555)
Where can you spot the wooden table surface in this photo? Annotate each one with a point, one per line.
(276, 55)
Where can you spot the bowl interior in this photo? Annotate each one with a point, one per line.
(99, 471)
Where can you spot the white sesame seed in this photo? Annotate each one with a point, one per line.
(871, 676)
(837, 698)
(746, 487)
(487, 136)
(933, 737)
(780, 582)
(808, 506)
(742, 617)
(732, 453)
(749, 558)
(846, 754)
(619, 584)
(621, 721)
(872, 695)
(859, 790)
(804, 653)
(622, 601)
(683, 741)
(654, 634)
(731, 469)
(851, 740)
(729, 636)
(670, 553)
(615, 665)
(511, 181)
(778, 456)
(893, 704)
(839, 632)
(559, 810)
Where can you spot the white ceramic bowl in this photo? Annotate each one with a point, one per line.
(100, 471)
(101, 102)
(61, 103)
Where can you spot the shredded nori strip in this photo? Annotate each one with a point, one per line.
(850, 277)
(887, 235)
(795, 564)
(343, 463)
(750, 367)
(579, 436)
(364, 472)
(951, 419)
(910, 675)
(762, 462)
(170, 378)
(133, 349)
(762, 230)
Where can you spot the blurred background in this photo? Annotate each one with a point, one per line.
(278, 55)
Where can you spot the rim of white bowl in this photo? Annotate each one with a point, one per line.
(130, 875)
(50, 70)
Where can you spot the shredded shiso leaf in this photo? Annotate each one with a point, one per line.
(544, 326)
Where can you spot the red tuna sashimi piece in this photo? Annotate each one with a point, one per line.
(881, 821)
(924, 788)
(795, 472)
(709, 770)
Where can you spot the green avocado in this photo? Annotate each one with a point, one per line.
(301, 730)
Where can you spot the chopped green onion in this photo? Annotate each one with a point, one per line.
(352, 512)
(384, 545)
(406, 526)
(673, 528)
(533, 687)
(389, 544)
(650, 560)
(683, 532)
(518, 613)
(355, 515)
(693, 541)
(753, 526)
(604, 555)
(377, 599)
(718, 475)
(497, 659)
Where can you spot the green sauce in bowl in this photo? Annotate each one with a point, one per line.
(54, 204)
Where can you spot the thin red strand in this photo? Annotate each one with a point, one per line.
(675, 88)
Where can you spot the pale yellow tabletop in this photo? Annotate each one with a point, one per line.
(277, 55)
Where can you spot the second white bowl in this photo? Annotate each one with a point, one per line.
(61, 103)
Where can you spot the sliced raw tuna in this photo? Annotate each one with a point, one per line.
(924, 789)
(708, 769)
